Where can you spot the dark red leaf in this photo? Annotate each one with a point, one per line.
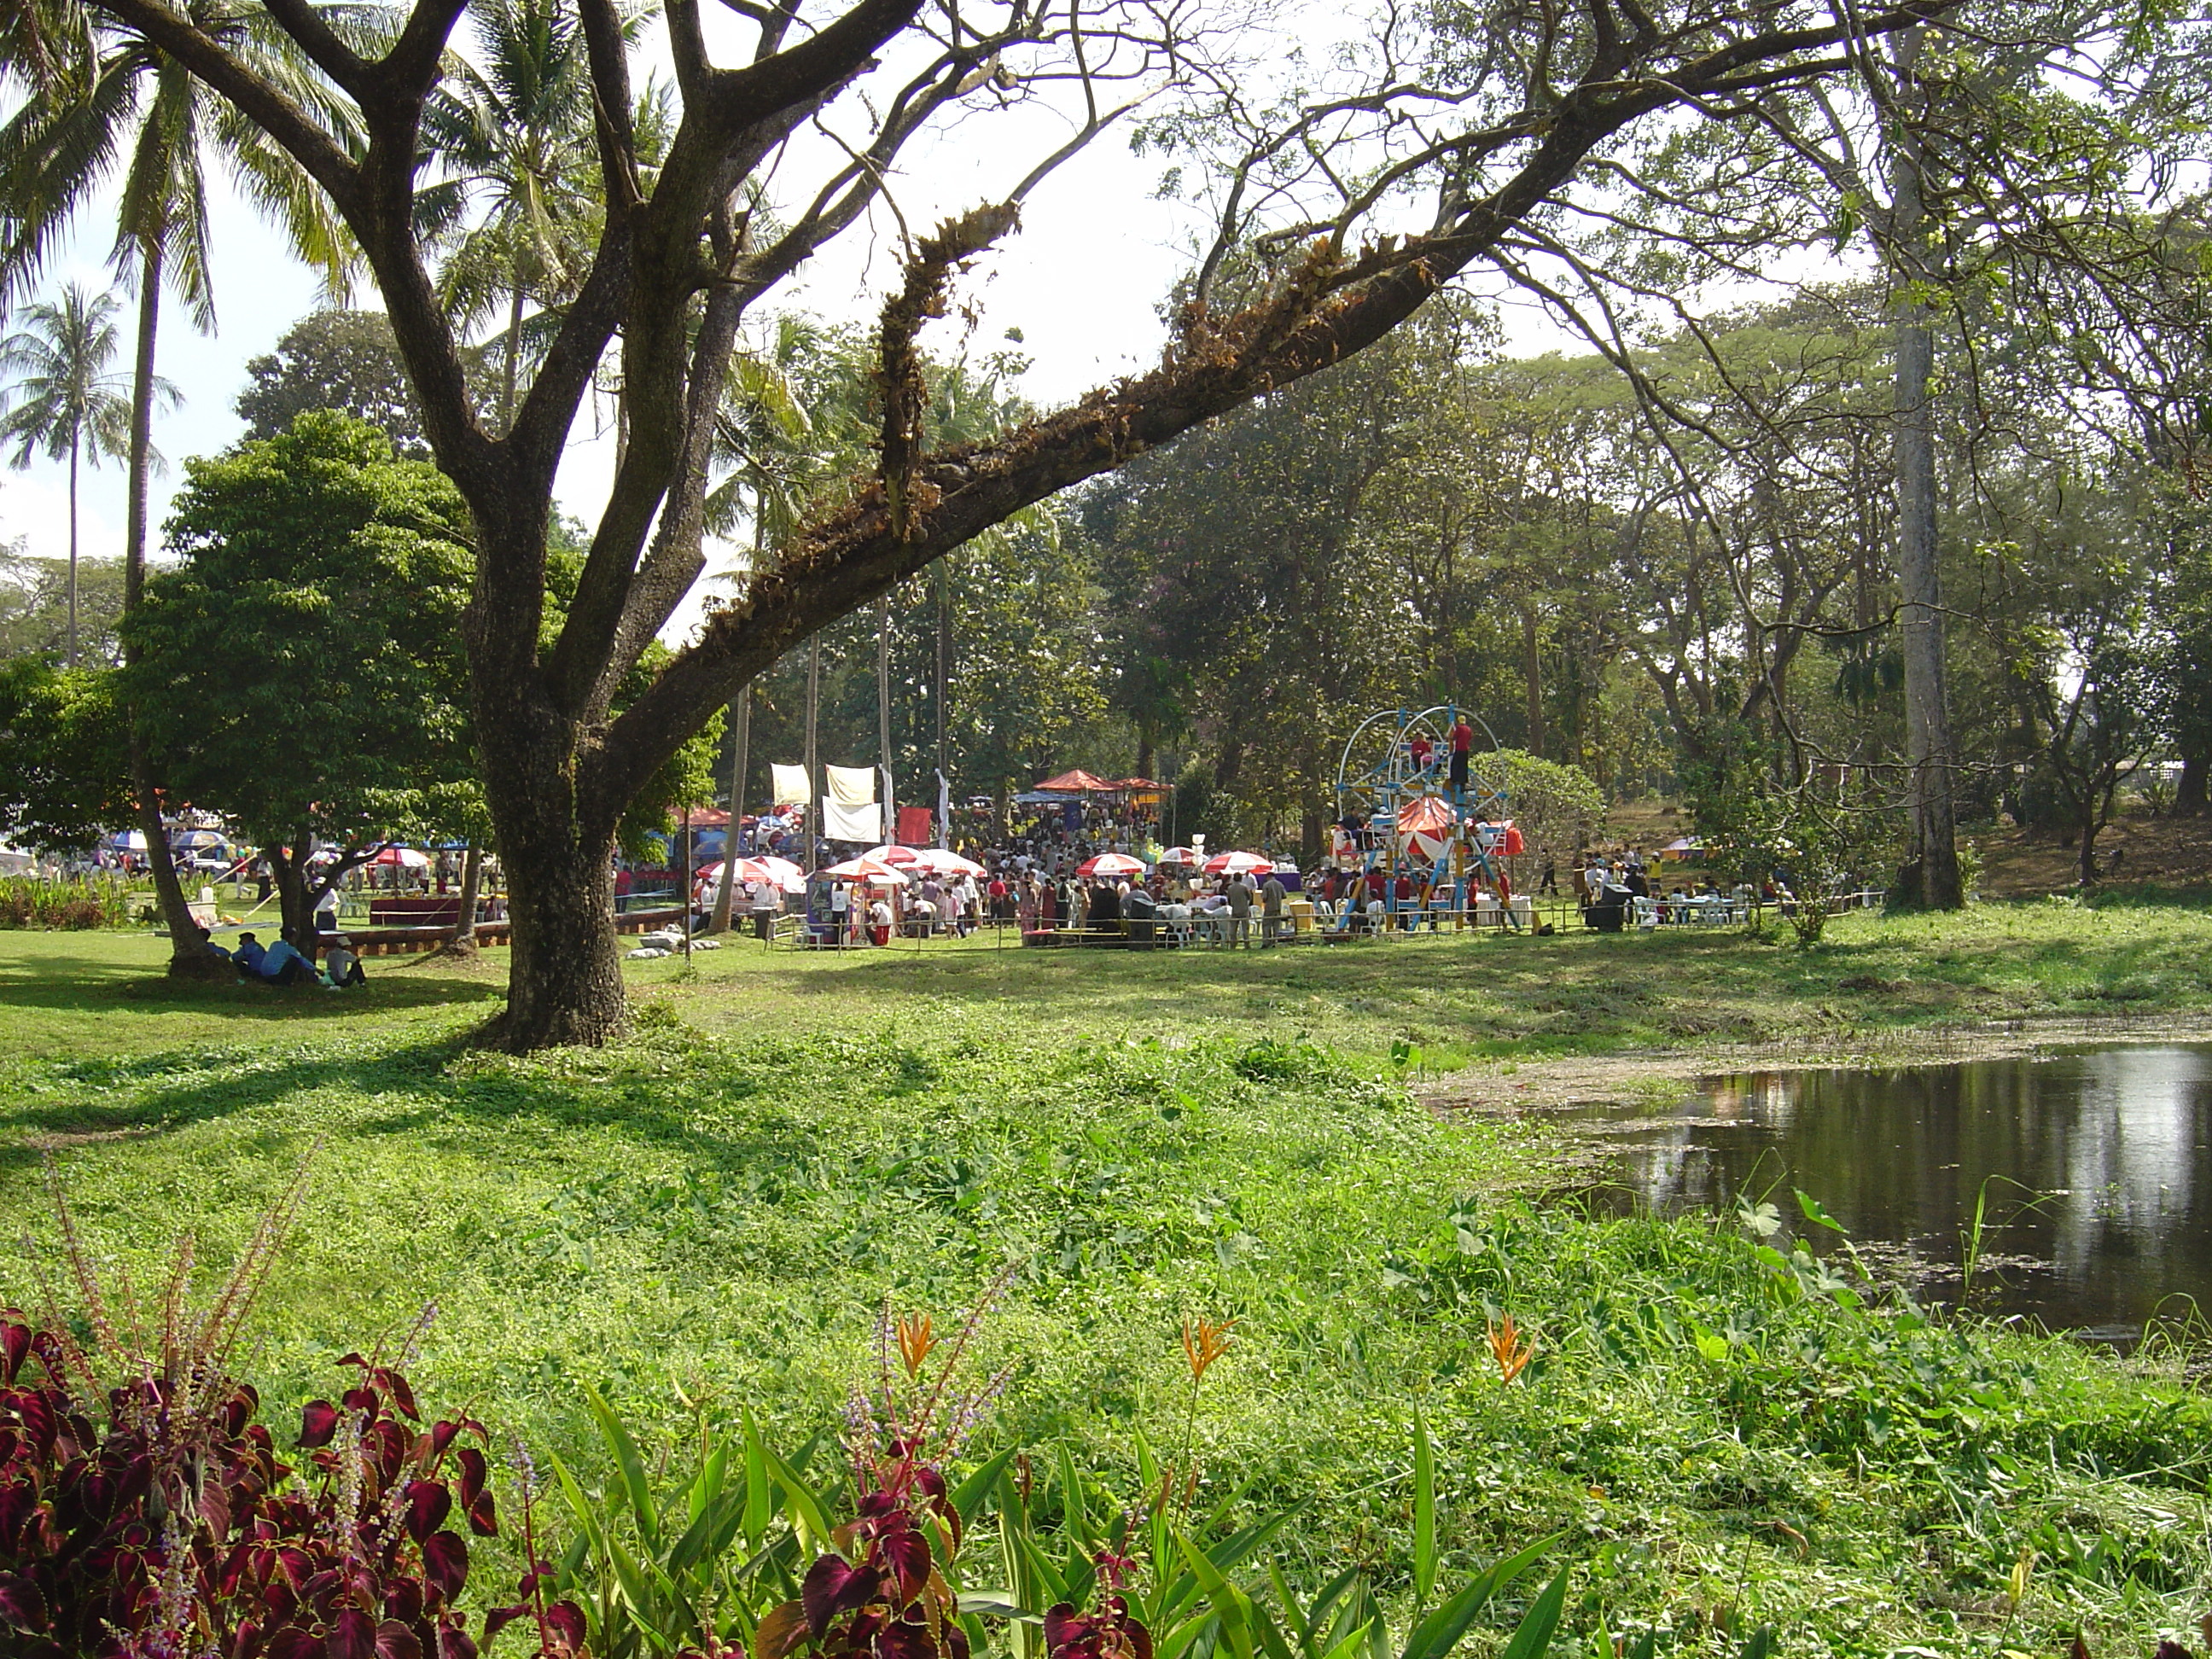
(453, 1643)
(353, 1636)
(428, 1503)
(446, 1563)
(473, 1470)
(402, 1397)
(498, 1618)
(1140, 1637)
(565, 1621)
(833, 1586)
(20, 1603)
(1062, 1628)
(907, 1554)
(294, 1643)
(483, 1521)
(403, 1599)
(318, 1421)
(906, 1641)
(395, 1641)
(14, 1346)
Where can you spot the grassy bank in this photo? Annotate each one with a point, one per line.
(711, 1215)
(96, 993)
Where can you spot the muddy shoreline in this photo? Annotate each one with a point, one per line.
(1661, 1077)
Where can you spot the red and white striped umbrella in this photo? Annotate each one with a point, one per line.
(944, 862)
(1239, 864)
(1111, 864)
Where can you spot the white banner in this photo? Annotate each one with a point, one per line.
(790, 786)
(849, 786)
(863, 823)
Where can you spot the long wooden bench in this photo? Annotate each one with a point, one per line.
(409, 941)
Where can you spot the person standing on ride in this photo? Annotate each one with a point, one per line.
(1463, 744)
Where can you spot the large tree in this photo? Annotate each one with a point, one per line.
(1461, 125)
(299, 670)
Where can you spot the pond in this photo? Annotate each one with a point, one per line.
(2099, 1180)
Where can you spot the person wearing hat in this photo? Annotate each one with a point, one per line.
(341, 966)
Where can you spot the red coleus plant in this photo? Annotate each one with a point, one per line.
(172, 1530)
(886, 1594)
(1110, 1632)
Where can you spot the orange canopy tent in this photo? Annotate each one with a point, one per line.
(1078, 780)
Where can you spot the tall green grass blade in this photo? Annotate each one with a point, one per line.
(1534, 1633)
(1425, 1514)
(635, 1486)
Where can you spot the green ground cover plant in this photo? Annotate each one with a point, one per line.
(704, 1226)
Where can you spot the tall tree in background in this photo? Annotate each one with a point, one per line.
(346, 361)
(66, 402)
(104, 93)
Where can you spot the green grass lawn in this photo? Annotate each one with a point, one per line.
(710, 1216)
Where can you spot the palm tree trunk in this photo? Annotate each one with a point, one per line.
(883, 708)
(514, 357)
(1932, 874)
(69, 654)
(813, 770)
(741, 718)
(186, 959)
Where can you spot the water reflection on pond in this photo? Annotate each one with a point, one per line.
(2112, 1140)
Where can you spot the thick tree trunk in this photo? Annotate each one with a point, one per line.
(1932, 877)
(564, 979)
(2191, 796)
(295, 905)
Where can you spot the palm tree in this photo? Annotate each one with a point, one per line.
(67, 402)
(105, 95)
(515, 141)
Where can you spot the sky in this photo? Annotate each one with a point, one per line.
(1083, 280)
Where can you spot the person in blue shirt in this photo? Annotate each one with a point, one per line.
(207, 944)
(248, 955)
(282, 965)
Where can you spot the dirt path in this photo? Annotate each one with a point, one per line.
(1661, 1077)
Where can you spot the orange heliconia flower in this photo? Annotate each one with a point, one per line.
(1203, 1342)
(917, 1340)
(1511, 1353)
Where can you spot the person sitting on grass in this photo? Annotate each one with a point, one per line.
(248, 956)
(342, 966)
(282, 965)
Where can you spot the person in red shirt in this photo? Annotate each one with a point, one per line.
(1420, 749)
(1462, 743)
